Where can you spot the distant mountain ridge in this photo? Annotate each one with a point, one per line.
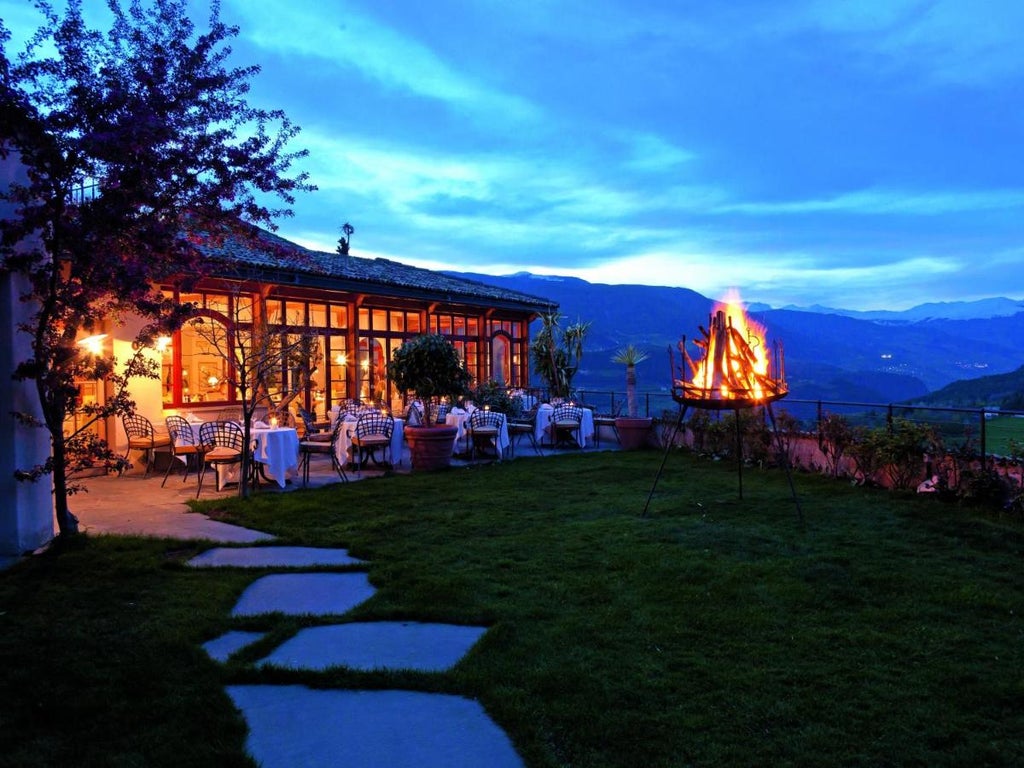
(940, 310)
(829, 355)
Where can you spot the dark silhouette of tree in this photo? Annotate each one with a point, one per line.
(345, 241)
(139, 146)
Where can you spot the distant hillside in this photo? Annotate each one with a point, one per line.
(828, 356)
(1004, 389)
(941, 310)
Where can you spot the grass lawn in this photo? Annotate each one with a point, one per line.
(714, 632)
(1000, 430)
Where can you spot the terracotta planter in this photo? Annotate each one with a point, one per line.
(430, 448)
(633, 432)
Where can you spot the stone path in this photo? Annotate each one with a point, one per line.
(293, 726)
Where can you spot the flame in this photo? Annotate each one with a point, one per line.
(736, 360)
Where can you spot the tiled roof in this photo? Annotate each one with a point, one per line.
(274, 257)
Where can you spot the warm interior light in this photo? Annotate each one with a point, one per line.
(341, 359)
(92, 344)
(213, 381)
(162, 343)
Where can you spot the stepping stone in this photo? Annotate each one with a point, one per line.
(221, 648)
(296, 594)
(291, 725)
(272, 557)
(377, 645)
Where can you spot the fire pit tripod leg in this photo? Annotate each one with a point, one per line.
(668, 447)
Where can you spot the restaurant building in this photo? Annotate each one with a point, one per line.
(353, 313)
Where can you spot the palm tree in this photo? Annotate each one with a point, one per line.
(630, 356)
(557, 351)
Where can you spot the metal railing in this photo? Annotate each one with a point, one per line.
(955, 425)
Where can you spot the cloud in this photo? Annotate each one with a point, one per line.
(948, 41)
(651, 153)
(349, 39)
(888, 202)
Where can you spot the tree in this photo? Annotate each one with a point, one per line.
(255, 355)
(139, 147)
(630, 356)
(429, 366)
(556, 352)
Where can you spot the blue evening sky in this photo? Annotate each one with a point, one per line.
(864, 154)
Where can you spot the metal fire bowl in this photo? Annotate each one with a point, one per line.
(718, 403)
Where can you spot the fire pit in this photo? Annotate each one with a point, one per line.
(738, 370)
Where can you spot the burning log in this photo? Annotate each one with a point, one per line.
(735, 371)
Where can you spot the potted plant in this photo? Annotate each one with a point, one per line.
(556, 353)
(429, 367)
(632, 428)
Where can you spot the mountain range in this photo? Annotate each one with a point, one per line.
(830, 354)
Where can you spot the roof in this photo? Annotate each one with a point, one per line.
(275, 259)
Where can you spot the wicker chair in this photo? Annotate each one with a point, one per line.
(223, 445)
(371, 438)
(566, 426)
(311, 430)
(142, 437)
(484, 428)
(524, 425)
(185, 445)
(310, 445)
(607, 420)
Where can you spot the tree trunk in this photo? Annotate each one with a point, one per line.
(631, 408)
(54, 412)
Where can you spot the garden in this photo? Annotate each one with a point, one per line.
(885, 629)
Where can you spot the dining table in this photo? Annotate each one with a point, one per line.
(277, 450)
(542, 429)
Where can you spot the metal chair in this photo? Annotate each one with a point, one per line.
(607, 420)
(310, 429)
(525, 424)
(484, 428)
(309, 446)
(372, 436)
(566, 426)
(185, 445)
(143, 437)
(223, 445)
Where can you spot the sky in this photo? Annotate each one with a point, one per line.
(862, 155)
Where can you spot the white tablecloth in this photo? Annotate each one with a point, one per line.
(461, 420)
(345, 441)
(277, 448)
(542, 429)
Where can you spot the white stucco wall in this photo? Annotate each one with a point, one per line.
(147, 393)
(26, 509)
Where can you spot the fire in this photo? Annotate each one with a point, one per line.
(736, 364)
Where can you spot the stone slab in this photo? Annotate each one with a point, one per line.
(377, 645)
(296, 594)
(294, 726)
(221, 648)
(272, 557)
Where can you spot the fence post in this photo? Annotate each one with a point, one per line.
(888, 417)
(981, 433)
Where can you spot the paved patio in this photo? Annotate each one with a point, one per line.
(135, 504)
